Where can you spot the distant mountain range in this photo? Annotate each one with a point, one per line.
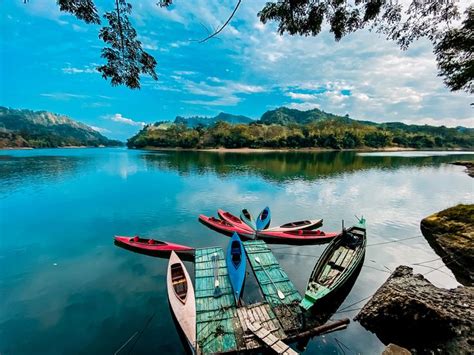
(40, 129)
(291, 128)
(195, 121)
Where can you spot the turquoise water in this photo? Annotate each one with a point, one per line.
(66, 288)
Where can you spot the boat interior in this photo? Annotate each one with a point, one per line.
(337, 261)
(295, 224)
(247, 214)
(180, 284)
(146, 241)
(236, 252)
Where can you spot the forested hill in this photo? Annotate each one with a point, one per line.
(290, 128)
(196, 121)
(41, 129)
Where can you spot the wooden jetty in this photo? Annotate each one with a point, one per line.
(287, 309)
(222, 327)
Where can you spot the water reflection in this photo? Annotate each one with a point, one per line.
(284, 166)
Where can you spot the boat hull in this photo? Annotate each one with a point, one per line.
(184, 312)
(246, 217)
(236, 269)
(297, 225)
(224, 227)
(263, 219)
(297, 237)
(158, 246)
(234, 220)
(339, 261)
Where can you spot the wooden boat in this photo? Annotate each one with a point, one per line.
(151, 245)
(181, 298)
(309, 224)
(225, 227)
(236, 221)
(263, 219)
(297, 237)
(236, 265)
(338, 262)
(247, 218)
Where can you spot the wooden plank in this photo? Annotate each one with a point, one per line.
(269, 339)
(218, 327)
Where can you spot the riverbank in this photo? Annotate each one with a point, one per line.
(469, 166)
(315, 149)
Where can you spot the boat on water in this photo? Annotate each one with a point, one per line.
(297, 236)
(247, 218)
(151, 246)
(181, 298)
(337, 264)
(263, 219)
(225, 227)
(236, 264)
(236, 221)
(308, 224)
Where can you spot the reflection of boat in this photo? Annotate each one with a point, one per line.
(225, 227)
(151, 245)
(263, 219)
(181, 298)
(297, 237)
(247, 218)
(338, 262)
(236, 265)
(236, 221)
(309, 224)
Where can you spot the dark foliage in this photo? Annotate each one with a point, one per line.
(455, 55)
(126, 59)
(83, 9)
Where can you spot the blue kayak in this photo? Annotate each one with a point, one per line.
(263, 219)
(236, 265)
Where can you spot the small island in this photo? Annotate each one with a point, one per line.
(286, 128)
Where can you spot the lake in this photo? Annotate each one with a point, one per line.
(67, 289)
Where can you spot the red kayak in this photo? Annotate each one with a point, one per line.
(225, 227)
(297, 237)
(234, 220)
(151, 245)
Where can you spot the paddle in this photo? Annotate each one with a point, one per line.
(217, 290)
(280, 294)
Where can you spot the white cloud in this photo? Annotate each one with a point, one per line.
(121, 119)
(88, 69)
(100, 129)
(64, 96)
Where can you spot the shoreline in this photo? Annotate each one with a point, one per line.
(303, 150)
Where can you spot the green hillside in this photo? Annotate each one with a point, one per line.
(291, 128)
(196, 121)
(40, 129)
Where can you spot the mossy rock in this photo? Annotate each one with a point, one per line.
(451, 234)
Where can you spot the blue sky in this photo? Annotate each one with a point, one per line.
(48, 60)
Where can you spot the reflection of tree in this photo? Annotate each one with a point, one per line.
(15, 171)
(280, 166)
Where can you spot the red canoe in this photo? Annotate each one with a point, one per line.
(234, 220)
(298, 237)
(151, 245)
(225, 227)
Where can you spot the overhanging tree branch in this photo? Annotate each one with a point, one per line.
(223, 26)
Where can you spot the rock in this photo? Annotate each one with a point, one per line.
(393, 349)
(408, 310)
(468, 164)
(451, 234)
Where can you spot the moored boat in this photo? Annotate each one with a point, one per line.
(308, 224)
(263, 219)
(297, 237)
(181, 298)
(236, 264)
(338, 262)
(151, 246)
(236, 221)
(225, 227)
(247, 218)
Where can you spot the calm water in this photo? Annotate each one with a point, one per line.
(66, 289)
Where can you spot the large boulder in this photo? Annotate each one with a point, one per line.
(410, 311)
(451, 234)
